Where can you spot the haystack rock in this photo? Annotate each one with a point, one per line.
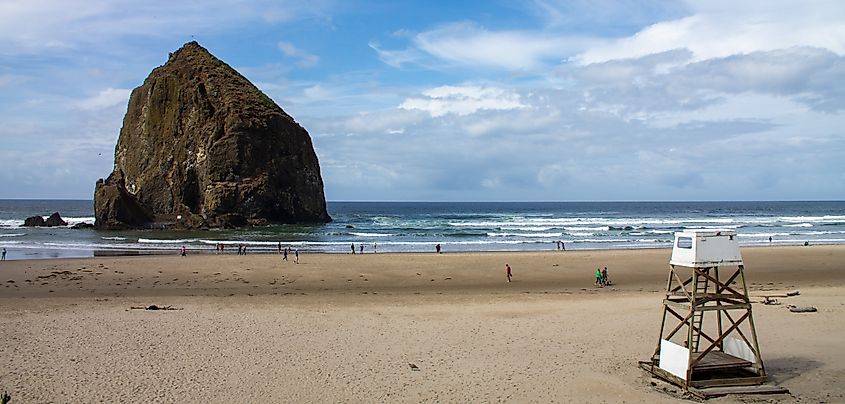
(201, 146)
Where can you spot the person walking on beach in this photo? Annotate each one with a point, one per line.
(296, 256)
(4, 254)
(437, 248)
(353, 248)
(598, 277)
(604, 277)
(280, 247)
(285, 257)
(374, 248)
(240, 248)
(361, 247)
(508, 272)
(562, 246)
(184, 252)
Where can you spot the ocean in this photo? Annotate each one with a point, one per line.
(456, 226)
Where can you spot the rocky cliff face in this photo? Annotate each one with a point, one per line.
(203, 147)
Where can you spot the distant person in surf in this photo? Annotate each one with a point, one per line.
(437, 248)
(353, 248)
(184, 252)
(374, 248)
(361, 248)
(508, 272)
(4, 254)
(280, 247)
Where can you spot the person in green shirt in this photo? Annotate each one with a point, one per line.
(598, 276)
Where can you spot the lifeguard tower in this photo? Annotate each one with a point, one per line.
(707, 335)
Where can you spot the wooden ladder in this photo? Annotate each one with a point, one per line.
(700, 287)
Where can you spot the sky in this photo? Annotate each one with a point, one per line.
(539, 100)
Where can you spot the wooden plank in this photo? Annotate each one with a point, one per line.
(664, 375)
(716, 360)
(728, 382)
(761, 389)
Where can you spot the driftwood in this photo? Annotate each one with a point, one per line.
(802, 309)
(154, 307)
(769, 301)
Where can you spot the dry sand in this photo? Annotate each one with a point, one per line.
(343, 328)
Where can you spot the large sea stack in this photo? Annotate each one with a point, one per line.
(201, 146)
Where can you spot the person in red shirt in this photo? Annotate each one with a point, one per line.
(508, 271)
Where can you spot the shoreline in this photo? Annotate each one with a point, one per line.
(30, 253)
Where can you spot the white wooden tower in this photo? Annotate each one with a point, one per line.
(707, 335)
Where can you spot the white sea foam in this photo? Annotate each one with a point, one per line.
(799, 225)
(114, 238)
(162, 241)
(543, 235)
(372, 234)
(525, 228)
(577, 228)
(597, 221)
(13, 235)
(11, 223)
(748, 235)
(75, 220)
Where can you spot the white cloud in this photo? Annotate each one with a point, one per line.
(109, 97)
(469, 44)
(305, 59)
(36, 25)
(395, 58)
(723, 28)
(463, 100)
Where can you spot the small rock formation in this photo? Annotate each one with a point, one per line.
(38, 221)
(200, 147)
(82, 225)
(55, 220)
(34, 221)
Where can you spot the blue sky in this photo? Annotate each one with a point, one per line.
(459, 101)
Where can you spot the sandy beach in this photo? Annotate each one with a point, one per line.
(344, 328)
